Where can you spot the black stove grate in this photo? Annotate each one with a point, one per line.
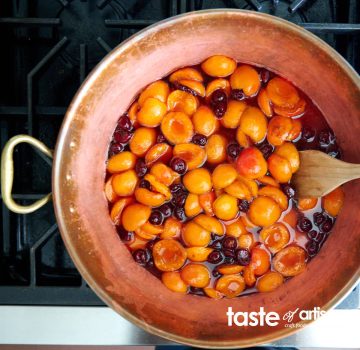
(48, 47)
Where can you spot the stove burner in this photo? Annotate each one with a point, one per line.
(83, 23)
(279, 8)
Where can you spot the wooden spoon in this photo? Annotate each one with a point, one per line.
(319, 174)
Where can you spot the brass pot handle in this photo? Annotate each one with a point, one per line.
(7, 174)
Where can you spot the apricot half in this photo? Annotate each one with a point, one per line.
(253, 123)
(181, 101)
(198, 181)
(204, 121)
(194, 235)
(225, 207)
(172, 228)
(223, 175)
(217, 84)
(282, 93)
(307, 203)
(186, 73)
(195, 275)
(121, 162)
(160, 152)
(290, 261)
(251, 163)
(265, 103)
(124, 183)
(210, 223)
(177, 127)
(142, 140)
(280, 168)
(197, 88)
(134, 216)
(152, 112)
(269, 282)
(264, 211)
(158, 89)
(239, 190)
(110, 194)
(192, 205)
(172, 280)
(288, 151)
(169, 255)
(164, 174)
(193, 155)
(275, 237)
(235, 229)
(276, 194)
(118, 208)
(147, 197)
(232, 116)
(333, 202)
(279, 129)
(218, 66)
(260, 260)
(230, 285)
(216, 149)
(246, 78)
(198, 254)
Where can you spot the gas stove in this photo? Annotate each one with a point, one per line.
(49, 47)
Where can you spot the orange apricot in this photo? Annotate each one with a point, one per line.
(169, 255)
(206, 201)
(239, 190)
(233, 114)
(280, 168)
(181, 101)
(147, 197)
(194, 235)
(333, 202)
(142, 140)
(158, 89)
(198, 254)
(144, 234)
(275, 237)
(282, 93)
(172, 228)
(276, 194)
(210, 223)
(157, 186)
(160, 152)
(230, 269)
(216, 149)
(196, 87)
(260, 260)
(295, 131)
(204, 121)
(296, 111)
(164, 174)
(279, 129)
(291, 218)
(269, 282)
(268, 180)
(223, 175)
(213, 293)
(152, 229)
(246, 240)
(249, 275)
(195, 275)
(124, 183)
(192, 205)
(218, 66)
(217, 84)
(230, 285)
(110, 194)
(290, 261)
(177, 127)
(151, 112)
(246, 78)
(137, 243)
(264, 103)
(288, 151)
(307, 203)
(225, 207)
(264, 211)
(247, 222)
(133, 110)
(251, 185)
(121, 162)
(193, 155)
(253, 123)
(235, 229)
(242, 139)
(185, 73)
(118, 208)
(134, 216)
(198, 181)
(251, 163)
(172, 280)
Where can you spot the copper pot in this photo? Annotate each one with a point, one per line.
(81, 152)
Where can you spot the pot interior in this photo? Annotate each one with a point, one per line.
(81, 153)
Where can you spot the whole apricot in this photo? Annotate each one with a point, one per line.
(177, 127)
(198, 181)
(251, 163)
(142, 140)
(225, 207)
(169, 255)
(264, 211)
(172, 280)
(195, 275)
(218, 66)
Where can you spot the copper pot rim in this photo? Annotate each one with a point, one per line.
(106, 61)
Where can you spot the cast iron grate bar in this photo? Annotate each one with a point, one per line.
(255, 4)
(30, 22)
(21, 111)
(295, 5)
(31, 75)
(103, 44)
